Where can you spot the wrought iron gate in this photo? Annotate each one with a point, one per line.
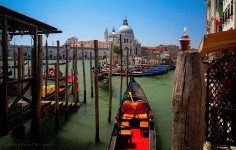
(221, 102)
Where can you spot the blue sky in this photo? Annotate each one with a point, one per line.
(154, 22)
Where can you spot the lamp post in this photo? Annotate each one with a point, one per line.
(67, 48)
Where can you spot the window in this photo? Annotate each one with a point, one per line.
(228, 11)
(231, 7)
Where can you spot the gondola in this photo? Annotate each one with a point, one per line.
(103, 79)
(53, 78)
(9, 73)
(134, 127)
(51, 74)
(51, 90)
(139, 73)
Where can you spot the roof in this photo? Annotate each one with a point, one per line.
(20, 22)
(125, 28)
(217, 42)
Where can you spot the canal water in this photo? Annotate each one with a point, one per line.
(79, 131)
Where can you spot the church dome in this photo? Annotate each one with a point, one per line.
(125, 29)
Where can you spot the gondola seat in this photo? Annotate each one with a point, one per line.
(144, 127)
(141, 116)
(126, 135)
(124, 125)
(127, 116)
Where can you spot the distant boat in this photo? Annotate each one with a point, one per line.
(103, 79)
(8, 74)
(10, 58)
(51, 90)
(51, 74)
(136, 71)
(134, 127)
(16, 66)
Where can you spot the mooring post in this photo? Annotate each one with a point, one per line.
(4, 87)
(84, 76)
(46, 71)
(37, 84)
(91, 74)
(188, 107)
(76, 79)
(110, 84)
(127, 67)
(97, 139)
(56, 96)
(121, 68)
(20, 69)
(66, 81)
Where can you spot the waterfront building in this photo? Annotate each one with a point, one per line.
(168, 51)
(52, 51)
(220, 15)
(228, 15)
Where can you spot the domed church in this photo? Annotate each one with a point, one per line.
(129, 42)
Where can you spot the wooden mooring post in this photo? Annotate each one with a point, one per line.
(37, 84)
(84, 76)
(127, 67)
(110, 84)
(46, 71)
(76, 80)
(66, 82)
(91, 74)
(20, 68)
(121, 68)
(188, 129)
(96, 71)
(56, 95)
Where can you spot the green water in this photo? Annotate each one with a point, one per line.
(79, 131)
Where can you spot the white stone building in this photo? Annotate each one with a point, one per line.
(52, 52)
(129, 42)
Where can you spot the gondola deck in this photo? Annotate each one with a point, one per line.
(134, 127)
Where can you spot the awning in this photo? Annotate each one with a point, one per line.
(17, 22)
(217, 42)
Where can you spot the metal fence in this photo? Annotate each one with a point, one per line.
(221, 102)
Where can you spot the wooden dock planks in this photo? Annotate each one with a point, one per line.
(23, 115)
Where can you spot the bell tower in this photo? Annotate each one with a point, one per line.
(106, 35)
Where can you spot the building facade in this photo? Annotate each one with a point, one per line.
(103, 51)
(220, 15)
(228, 16)
(169, 51)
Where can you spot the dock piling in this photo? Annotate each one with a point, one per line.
(110, 84)
(91, 74)
(189, 97)
(84, 76)
(97, 139)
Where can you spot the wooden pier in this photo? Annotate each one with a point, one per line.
(23, 113)
(28, 104)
